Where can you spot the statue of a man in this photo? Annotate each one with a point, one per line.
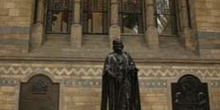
(120, 89)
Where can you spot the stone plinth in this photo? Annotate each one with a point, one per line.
(76, 36)
(37, 35)
(152, 37)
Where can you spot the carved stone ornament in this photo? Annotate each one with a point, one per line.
(190, 94)
(39, 87)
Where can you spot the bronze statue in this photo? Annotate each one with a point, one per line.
(120, 89)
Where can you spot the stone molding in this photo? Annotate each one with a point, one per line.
(96, 70)
(97, 83)
(8, 82)
(81, 75)
(14, 30)
(215, 83)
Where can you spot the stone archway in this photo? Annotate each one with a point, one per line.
(39, 93)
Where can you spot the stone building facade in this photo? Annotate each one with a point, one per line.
(41, 54)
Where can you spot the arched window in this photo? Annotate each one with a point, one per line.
(95, 16)
(169, 16)
(58, 16)
(131, 16)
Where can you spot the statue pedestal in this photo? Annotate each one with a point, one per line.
(152, 37)
(76, 36)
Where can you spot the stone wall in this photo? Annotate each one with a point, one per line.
(207, 15)
(15, 18)
(209, 44)
(8, 94)
(208, 25)
(80, 83)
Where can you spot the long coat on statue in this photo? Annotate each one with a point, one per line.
(120, 90)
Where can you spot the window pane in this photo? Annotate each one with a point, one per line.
(95, 16)
(59, 16)
(131, 18)
(166, 20)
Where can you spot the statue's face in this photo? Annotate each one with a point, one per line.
(118, 47)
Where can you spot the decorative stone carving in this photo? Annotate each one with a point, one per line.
(190, 94)
(39, 93)
(39, 87)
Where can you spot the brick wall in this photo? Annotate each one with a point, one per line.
(8, 96)
(15, 18)
(215, 97)
(207, 15)
(208, 25)
(80, 83)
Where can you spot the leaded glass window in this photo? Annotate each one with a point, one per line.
(131, 16)
(166, 16)
(58, 16)
(95, 16)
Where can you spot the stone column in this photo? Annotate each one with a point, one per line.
(186, 27)
(151, 34)
(76, 28)
(114, 30)
(37, 31)
(40, 11)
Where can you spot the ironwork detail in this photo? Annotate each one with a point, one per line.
(39, 93)
(166, 16)
(131, 16)
(95, 16)
(190, 94)
(59, 16)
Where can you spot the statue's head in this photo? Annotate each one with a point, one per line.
(117, 45)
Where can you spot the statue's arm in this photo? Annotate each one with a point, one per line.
(108, 67)
(132, 66)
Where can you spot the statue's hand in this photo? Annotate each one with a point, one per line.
(132, 69)
(110, 74)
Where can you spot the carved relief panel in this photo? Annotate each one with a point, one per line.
(190, 94)
(39, 93)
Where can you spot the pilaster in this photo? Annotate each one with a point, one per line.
(37, 32)
(186, 25)
(114, 31)
(76, 28)
(151, 34)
